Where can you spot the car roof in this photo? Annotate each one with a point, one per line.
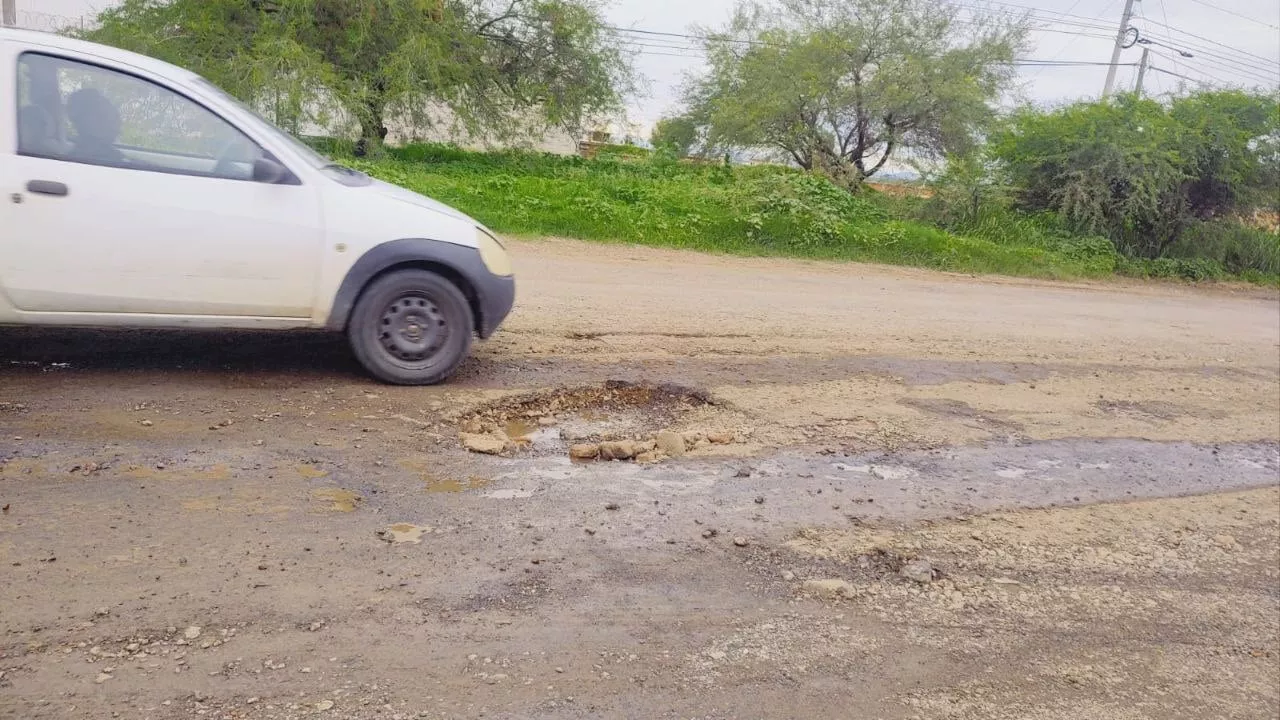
(36, 40)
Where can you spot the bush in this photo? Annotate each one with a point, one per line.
(1195, 270)
(1232, 245)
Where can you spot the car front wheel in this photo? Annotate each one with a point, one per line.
(411, 327)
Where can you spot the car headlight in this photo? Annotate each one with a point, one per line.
(492, 253)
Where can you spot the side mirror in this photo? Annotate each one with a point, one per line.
(267, 170)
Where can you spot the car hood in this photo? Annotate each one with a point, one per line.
(395, 192)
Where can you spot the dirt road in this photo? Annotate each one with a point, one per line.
(902, 495)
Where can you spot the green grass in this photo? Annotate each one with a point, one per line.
(760, 211)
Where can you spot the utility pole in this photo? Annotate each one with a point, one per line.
(1115, 52)
(1142, 71)
(9, 13)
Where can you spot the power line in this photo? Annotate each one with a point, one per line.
(1177, 75)
(1190, 69)
(1064, 47)
(1205, 51)
(1165, 12)
(1229, 64)
(1270, 61)
(1236, 14)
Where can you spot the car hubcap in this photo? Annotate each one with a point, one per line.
(413, 328)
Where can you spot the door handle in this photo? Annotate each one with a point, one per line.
(47, 187)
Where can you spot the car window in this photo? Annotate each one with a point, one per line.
(84, 113)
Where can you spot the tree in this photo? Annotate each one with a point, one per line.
(493, 64)
(844, 86)
(679, 134)
(1142, 173)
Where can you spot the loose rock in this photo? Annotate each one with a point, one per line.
(919, 571)
(741, 541)
(830, 588)
(584, 451)
(192, 632)
(648, 458)
(671, 443)
(618, 450)
(720, 437)
(484, 444)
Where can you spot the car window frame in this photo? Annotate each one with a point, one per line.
(59, 55)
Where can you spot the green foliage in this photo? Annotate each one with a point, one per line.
(496, 67)
(1143, 174)
(841, 86)
(966, 191)
(678, 134)
(1232, 245)
(746, 210)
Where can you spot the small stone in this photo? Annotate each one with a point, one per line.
(192, 632)
(919, 571)
(1226, 542)
(483, 444)
(102, 612)
(671, 443)
(146, 423)
(830, 588)
(709, 533)
(559, 669)
(102, 677)
(691, 439)
(251, 701)
(584, 451)
(759, 499)
(324, 705)
(788, 575)
(546, 421)
(612, 506)
(720, 437)
(741, 541)
(618, 450)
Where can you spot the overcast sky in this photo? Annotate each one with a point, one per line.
(1233, 41)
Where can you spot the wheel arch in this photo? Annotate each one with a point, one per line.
(444, 259)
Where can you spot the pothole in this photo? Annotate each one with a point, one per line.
(550, 421)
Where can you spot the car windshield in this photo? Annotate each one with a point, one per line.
(337, 172)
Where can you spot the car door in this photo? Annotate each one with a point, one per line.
(130, 197)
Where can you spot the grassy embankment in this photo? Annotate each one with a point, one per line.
(761, 210)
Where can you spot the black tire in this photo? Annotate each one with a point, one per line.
(411, 327)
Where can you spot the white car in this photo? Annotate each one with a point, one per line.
(137, 194)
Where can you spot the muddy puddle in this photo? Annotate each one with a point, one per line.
(337, 499)
(454, 485)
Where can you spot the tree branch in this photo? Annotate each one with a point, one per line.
(510, 13)
(888, 150)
